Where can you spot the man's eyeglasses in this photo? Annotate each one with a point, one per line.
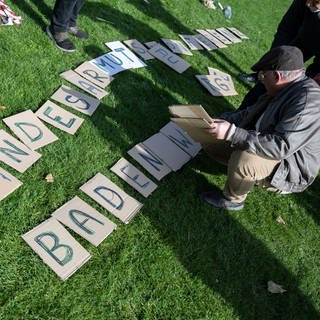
(261, 75)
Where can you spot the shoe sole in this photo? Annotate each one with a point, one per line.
(55, 43)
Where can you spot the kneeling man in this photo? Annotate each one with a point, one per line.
(274, 143)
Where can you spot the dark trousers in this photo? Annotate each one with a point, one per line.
(65, 14)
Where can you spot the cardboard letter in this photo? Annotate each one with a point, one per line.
(181, 139)
(84, 220)
(57, 248)
(76, 100)
(217, 85)
(238, 33)
(169, 58)
(177, 46)
(30, 129)
(8, 183)
(94, 74)
(83, 84)
(59, 118)
(213, 39)
(219, 36)
(191, 42)
(129, 59)
(139, 49)
(134, 177)
(111, 197)
(149, 161)
(15, 154)
(167, 151)
(229, 35)
(205, 42)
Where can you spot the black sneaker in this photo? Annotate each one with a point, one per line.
(61, 40)
(78, 33)
(216, 198)
(248, 77)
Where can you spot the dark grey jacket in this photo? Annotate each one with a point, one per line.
(289, 132)
(301, 28)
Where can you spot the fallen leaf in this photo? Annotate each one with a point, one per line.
(280, 220)
(49, 178)
(275, 288)
(3, 107)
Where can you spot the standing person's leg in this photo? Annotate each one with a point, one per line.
(73, 29)
(62, 14)
(60, 19)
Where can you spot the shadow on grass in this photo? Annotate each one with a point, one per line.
(36, 10)
(214, 246)
(210, 243)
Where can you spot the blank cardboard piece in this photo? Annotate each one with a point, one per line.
(76, 100)
(121, 52)
(191, 41)
(94, 74)
(57, 248)
(155, 166)
(169, 58)
(139, 49)
(229, 35)
(213, 39)
(167, 151)
(189, 111)
(207, 44)
(59, 118)
(30, 130)
(83, 84)
(216, 85)
(84, 220)
(219, 36)
(237, 33)
(177, 46)
(111, 197)
(195, 129)
(8, 183)
(181, 139)
(134, 177)
(15, 154)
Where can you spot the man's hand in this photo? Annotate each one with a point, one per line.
(317, 78)
(219, 129)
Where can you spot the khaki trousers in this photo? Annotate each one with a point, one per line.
(244, 170)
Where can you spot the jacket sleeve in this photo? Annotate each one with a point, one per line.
(290, 24)
(299, 122)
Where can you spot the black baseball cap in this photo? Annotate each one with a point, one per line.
(284, 58)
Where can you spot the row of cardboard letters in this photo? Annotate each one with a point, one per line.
(164, 152)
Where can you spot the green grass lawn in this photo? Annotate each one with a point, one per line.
(178, 258)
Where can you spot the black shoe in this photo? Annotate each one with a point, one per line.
(61, 40)
(78, 33)
(216, 198)
(248, 77)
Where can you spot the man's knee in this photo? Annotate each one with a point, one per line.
(251, 166)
